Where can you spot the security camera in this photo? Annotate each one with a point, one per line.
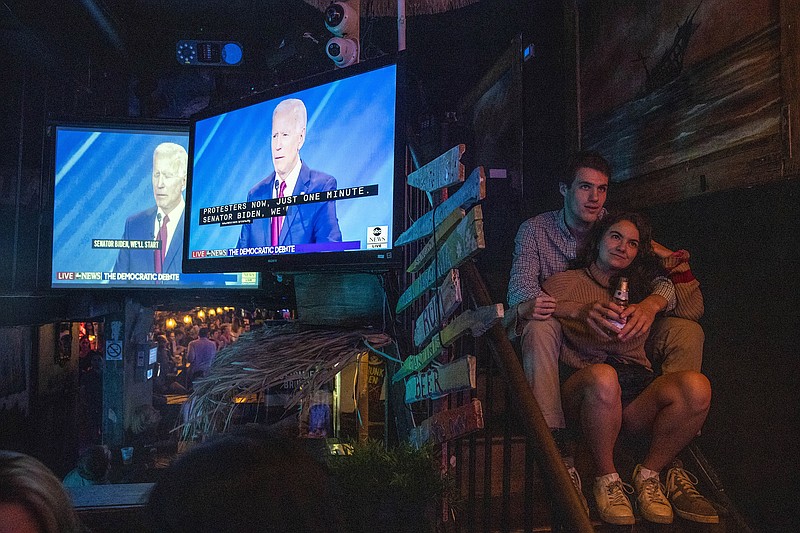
(343, 52)
(340, 18)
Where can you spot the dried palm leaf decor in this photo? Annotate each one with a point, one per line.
(388, 8)
(268, 357)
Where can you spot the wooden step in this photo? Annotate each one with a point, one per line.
(508, 514)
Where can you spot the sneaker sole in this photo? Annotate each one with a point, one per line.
(703, 519)
(619, 520)
(656, 519)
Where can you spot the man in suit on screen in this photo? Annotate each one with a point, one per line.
(304, 223)
(163, 221)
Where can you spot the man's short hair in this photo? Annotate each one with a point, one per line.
(203, 332)
(176, 153)
(585, 159)
(296, 107)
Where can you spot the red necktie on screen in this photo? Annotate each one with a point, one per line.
(162, 236)
(277, 222)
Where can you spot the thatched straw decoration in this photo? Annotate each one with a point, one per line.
(388, 8)
(266, 358)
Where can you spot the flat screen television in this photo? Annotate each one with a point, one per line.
(111, 184)
(307, 176)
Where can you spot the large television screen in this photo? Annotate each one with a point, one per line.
(303, 177)
(118, 208)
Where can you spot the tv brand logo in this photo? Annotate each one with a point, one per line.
(377, 237)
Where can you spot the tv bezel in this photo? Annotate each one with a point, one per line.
(121, 124)
(349, 261)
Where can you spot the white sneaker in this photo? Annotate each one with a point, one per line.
(576, 481)
(651, 500)
(613, 504)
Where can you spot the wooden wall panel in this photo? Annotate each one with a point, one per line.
(742, 166)
(732, 99)
(790, 84)
(731, 120)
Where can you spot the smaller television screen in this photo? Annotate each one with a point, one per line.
(303, 177)
(153, 355)
(118, 209)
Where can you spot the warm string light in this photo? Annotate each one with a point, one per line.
(198, 314)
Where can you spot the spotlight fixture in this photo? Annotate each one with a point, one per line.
(209, 53)
(342, 19)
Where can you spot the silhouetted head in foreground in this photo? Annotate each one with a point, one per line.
(245, 480)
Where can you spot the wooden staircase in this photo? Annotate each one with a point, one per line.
(504, 477)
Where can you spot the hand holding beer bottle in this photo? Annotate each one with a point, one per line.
(621, 299)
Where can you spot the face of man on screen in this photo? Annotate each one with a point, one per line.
(288, 135)
(169, 180)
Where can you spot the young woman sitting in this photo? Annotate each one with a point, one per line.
(607, 381)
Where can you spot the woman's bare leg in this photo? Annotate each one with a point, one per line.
(592, 396)
(671, 410)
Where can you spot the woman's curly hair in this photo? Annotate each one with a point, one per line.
(644, 268)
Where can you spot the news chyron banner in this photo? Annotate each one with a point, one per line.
(246, 212)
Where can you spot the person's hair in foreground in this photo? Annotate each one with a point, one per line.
(644, 268)
(245, 480)
(28, 487)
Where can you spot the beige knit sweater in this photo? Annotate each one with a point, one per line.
(582, 345)
(575, 288)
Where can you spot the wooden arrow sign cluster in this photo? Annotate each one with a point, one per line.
(450, 424)
(454, 229)
(439, 381)
(441, 306)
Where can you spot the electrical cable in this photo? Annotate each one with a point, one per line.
(383, 354)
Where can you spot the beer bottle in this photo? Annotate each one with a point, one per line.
(620, 298)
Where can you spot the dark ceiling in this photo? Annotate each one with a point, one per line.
(143, 33)
(450, 51)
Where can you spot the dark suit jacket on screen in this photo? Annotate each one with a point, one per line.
(304, 223)
(140, 227)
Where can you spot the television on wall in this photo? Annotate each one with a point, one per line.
(115, 187)
(307, 176)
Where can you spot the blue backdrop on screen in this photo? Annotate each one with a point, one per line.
(103, 175)
(350, 135)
